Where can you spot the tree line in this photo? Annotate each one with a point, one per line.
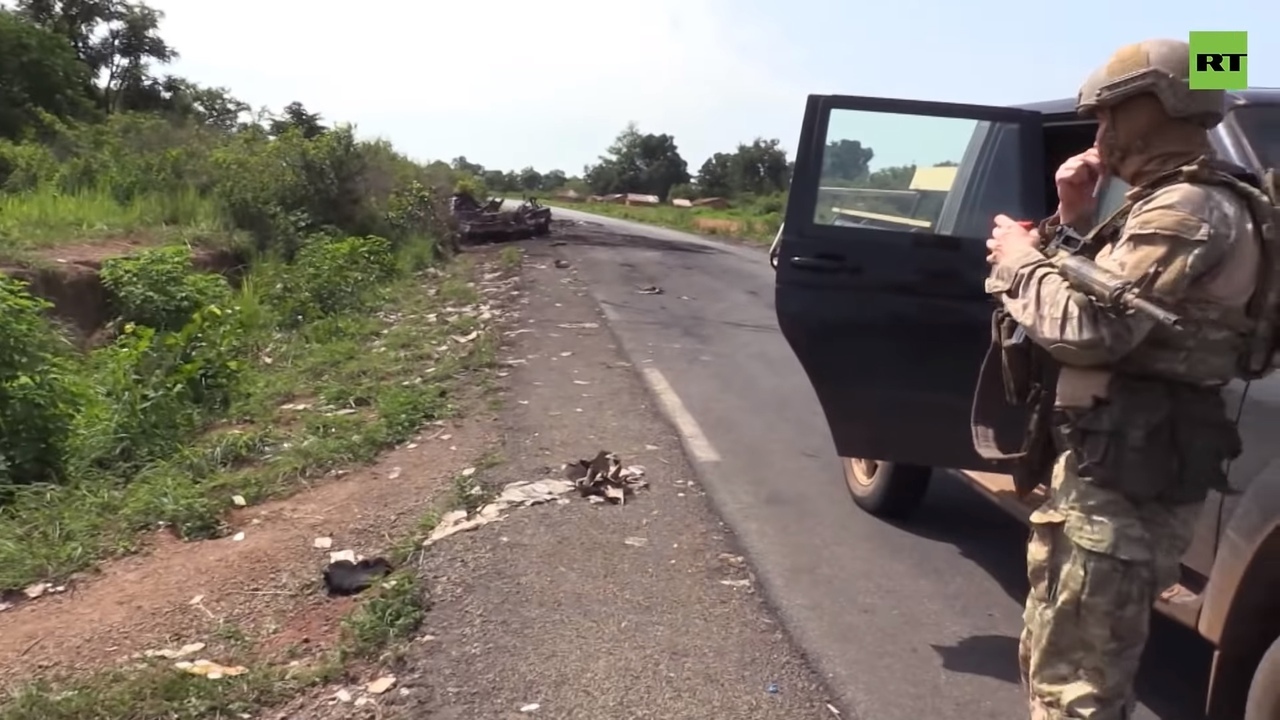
(651, 164)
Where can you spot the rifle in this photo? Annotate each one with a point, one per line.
(1101, 285)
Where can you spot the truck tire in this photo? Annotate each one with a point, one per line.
(1264, 690)
(886, 490)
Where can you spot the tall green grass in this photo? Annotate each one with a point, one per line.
(45, 217)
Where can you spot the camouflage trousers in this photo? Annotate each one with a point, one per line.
(1096, 563)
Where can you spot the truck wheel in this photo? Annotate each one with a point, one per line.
(886, 490)
(1264, 691)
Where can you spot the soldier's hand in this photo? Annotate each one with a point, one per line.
(1009, 237)
(1076, 180)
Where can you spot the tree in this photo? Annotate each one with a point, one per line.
(117, 40)
(530, 180)
(897, 177)
(760, 168)
(295, 115)
(461, 164)
(554, 180)
(715, 177)
(639, 163)
(39, 73)
(846, 160)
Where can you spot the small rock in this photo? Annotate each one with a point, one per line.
(381, 685)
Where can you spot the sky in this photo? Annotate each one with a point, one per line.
(550, 84)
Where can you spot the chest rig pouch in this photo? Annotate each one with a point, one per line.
(1152, 440)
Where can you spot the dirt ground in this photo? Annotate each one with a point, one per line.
(563, 610)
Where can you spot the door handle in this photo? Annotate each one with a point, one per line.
(819, 264)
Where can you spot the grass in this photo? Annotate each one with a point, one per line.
(47, 218)
(746, 223)
(332, 393)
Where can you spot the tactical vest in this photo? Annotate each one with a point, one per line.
(1216, 344)
(1154, 439)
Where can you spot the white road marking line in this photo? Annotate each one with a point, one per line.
(695, 440)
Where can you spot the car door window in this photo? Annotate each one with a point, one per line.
(889, 171)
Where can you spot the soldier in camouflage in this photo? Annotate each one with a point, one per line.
(1141, 428)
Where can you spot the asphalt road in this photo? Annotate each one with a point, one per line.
(909, 622)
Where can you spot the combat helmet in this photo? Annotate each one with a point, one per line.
(1159, 67)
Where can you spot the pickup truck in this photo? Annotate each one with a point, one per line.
(890, 322)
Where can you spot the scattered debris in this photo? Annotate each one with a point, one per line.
(736, 583)
(342, 696)
(350, 578)
(605, 476)
(348, 555)
(381, 685)
(833, 709)
(40, 589)
(579, 326)
(238, 536)
(636, 541)
(650, 290)
(395, 473)
(772, 688)
(238, 501)
(529, 708)
(522, 493)
(322, 543)
(170, 654)
(562, 264)
(210, 669)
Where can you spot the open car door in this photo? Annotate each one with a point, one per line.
(881, 263)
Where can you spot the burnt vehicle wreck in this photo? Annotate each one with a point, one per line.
(477, 223)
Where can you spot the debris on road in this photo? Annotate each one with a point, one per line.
(345, 577)
(523, 493)
(529, 708)
(636, 541)
(604, 476)
(650, 290)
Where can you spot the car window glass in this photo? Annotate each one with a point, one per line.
(902, 172)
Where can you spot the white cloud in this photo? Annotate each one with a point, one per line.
(506, 83)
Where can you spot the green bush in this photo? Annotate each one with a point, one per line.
(153, 388)
(38, 390)
(160, 288)
(333, 275)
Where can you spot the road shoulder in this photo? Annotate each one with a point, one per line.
(591, 610)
